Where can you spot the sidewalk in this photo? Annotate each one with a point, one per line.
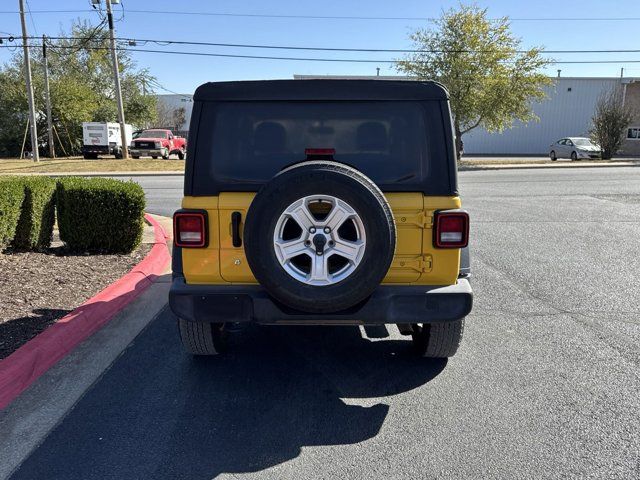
(29, 418)
(481, 164)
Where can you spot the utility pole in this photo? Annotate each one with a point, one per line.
(116, 75)
(52, 153)
(27, 75)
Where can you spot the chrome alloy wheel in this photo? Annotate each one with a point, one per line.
(319, 240)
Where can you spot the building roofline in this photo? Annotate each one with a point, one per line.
(404, 78)
(174, 95)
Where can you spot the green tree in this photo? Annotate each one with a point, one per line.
(491, 79)
(81, 84)
(170, 117)
(179, 117)
(610, 122)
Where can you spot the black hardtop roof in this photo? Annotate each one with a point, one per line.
(274, 90)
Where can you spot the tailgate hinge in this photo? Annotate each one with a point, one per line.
(421, 264)
(421, 219)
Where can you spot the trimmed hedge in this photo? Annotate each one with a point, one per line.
(100, 214)
(35, 225)
(11, 198)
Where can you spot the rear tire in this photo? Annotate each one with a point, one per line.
(574, 156)
(437, 340)
(90, 156)
(552, 156)
(154, 157)
(181, 154)
(166, 154)
(201, 338)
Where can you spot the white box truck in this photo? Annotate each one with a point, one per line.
(103, 138)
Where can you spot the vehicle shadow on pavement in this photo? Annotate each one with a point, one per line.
(159, 413)
(282, 389)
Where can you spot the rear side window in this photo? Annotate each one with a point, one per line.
(392, 142)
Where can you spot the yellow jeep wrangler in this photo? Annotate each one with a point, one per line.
(315, 202)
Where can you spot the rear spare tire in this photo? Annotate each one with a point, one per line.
(319, 236)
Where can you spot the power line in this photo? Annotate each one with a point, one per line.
(155, 83)
(332, 49)
(208, 54)
(307, 59)
(349, 17)
(343, 60)
(338, 17)
(33, 23)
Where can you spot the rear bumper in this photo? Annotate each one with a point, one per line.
(99, 149)
(589, 154)
(388, 304)
(147, 152)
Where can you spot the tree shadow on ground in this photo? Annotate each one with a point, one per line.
(17, 331)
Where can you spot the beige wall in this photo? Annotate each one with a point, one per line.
(632, 99)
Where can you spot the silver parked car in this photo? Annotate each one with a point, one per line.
(575, 148)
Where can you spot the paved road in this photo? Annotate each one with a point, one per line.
(164, 193)
(545, 385)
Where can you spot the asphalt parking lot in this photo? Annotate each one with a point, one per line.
(545, 384)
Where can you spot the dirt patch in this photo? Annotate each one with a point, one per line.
(36, 289)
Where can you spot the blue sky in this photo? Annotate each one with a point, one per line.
(184, 74)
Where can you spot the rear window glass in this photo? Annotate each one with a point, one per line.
(251, 142)
(153, 134)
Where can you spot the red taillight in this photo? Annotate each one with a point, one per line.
(452, 229)
(189, 230)
(319, 152)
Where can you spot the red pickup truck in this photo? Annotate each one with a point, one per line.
(158, 143)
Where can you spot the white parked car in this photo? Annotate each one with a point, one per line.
(575, 148)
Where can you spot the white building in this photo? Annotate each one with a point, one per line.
(175, 101)
(566, 112)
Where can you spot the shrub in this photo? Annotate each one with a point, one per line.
(610, 122)
(100, 214)
(11, 197)
(35, 225)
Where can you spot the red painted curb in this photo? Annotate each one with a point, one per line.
(23, 367)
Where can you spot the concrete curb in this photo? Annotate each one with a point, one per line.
(24, 366)
(533, 166)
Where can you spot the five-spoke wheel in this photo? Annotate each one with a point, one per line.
(319, 240)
